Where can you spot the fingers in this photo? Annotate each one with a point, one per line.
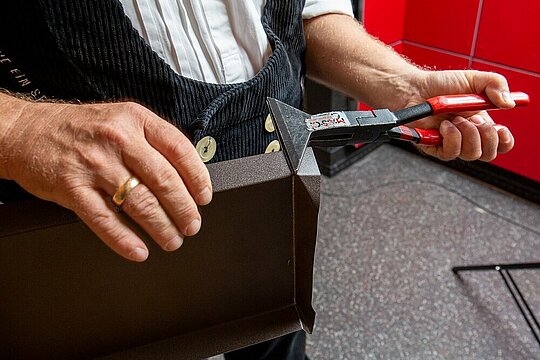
(506, 139)
(476, 138)
(470, 139)
(168, 187)
(481, 139)
(179, 151)
(451, 147)
(98, 215)
(161, 203)
(488, 137)
(143, 207)
(174, 179)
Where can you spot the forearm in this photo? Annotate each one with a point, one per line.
(342, 55)
(10, 107)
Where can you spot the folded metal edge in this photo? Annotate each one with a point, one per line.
(306, 190)
(292, 131)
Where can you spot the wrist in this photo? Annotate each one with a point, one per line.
(10, 107)
(415, 88)
(397, 89)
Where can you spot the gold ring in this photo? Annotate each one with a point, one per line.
(121, 194)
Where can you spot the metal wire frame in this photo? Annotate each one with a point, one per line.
(513, 288)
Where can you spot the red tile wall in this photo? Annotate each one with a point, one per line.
(491, 35)
(433, 59)
(447, 25)
(509, 33)
(524, 159)
(385, 19)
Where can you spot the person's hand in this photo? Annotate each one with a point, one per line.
(79, 155)
(469, 136)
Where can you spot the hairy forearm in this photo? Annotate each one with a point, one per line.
(342, 55)
(10, 107)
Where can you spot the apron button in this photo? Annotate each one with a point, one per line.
(206, 148)
(269, 124)
(273, 147)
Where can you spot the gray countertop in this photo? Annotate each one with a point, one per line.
(391, 227)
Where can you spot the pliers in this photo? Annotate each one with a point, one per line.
(338, 128)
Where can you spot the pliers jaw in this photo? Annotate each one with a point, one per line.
(340, 128)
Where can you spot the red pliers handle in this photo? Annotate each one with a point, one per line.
(441, 105)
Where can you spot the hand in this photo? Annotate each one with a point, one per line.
(78, 155)
(469, 136)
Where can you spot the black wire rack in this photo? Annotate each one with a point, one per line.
(513, 288)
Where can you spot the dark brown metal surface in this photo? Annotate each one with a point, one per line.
(246, 277)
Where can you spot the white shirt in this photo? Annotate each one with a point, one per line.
(216, 41)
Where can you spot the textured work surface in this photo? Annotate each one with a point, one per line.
(391, 227)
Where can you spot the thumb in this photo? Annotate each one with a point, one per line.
(494, 85)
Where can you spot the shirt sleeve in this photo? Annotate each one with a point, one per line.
(320, 7)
